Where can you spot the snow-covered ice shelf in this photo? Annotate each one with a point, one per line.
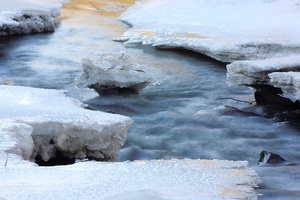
(117, 73)
(28, 16)
(44, 123)
(228, 31)
(225, 30)
(154, 179)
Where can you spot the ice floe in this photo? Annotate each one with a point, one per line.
(116, 73)
(43, 122)
(28, 16)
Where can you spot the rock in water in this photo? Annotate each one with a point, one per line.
(270, 158)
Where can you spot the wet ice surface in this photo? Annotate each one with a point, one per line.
(183, 117)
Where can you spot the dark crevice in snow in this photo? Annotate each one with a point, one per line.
(58, 159)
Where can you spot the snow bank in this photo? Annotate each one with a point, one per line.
(225, 30)
(154, 179)
(114, 72)
(40, 122)
(229, 31)
(28, 16)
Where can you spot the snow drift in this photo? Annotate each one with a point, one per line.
(109, 73)
(28, 16)
(44, 123)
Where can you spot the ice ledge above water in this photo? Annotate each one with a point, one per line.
(41, 122)
(279, 72)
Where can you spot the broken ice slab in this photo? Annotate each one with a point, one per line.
(279, 72)
(43, 122)
(289, 82)
(116, 73)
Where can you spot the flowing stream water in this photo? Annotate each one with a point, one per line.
(189, 115)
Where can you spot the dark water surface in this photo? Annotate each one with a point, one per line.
(184, 117)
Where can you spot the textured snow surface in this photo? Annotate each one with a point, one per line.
(116, 70)
(225, 30)
(154, 179)
(28, 16)
(30, 118)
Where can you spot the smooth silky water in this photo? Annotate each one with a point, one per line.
(188, 115)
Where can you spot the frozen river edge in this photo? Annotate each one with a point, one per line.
(42, 123)
(37, 122)
(261, 49)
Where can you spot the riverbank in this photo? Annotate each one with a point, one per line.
(260, 35)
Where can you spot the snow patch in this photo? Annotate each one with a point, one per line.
(154, 179)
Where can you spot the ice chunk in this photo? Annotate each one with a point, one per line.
(154, 179)
(116, 72)
(289, 82)
(28, 16)
(55, 123)
(279, 70)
